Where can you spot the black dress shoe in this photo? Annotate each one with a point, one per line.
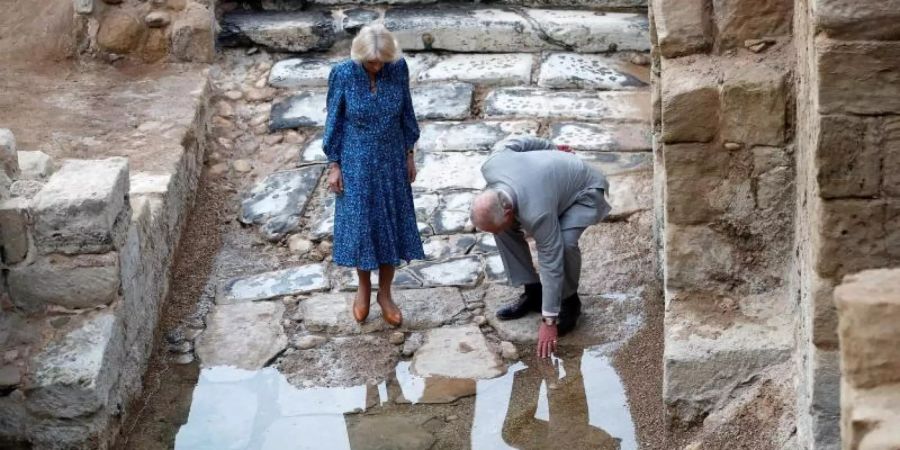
(569, 311)
(529, 301)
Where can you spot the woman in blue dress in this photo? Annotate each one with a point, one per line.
(370, 134)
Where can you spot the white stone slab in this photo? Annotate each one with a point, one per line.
(243, 335)
(453, 214)
(278, 201)
(494, 269)
(457, 352)
(461, 271)
(306, 109)
(34, 165)
(445, 101)
(312, 152)
(503, 69)
(323, 222)
(468, 136)
(451, 171)
(425, 204)
(585, 71)
(534, 102)
(462, 29)
(300, 73)
(291, 31)
(602, 137)
(587, 31)
(296, 280)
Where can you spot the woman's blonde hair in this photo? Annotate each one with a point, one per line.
(375, 42)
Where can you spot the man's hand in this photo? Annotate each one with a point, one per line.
(336, 179)
(546, 344)
(565, 148)
(411, 167)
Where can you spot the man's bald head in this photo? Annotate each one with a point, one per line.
(492, 211)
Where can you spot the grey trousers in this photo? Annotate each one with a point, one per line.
(519, 266)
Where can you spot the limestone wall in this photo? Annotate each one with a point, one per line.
(725, 174)
(86, 249)
(150, 30)
(868, 307)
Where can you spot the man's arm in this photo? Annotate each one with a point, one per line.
(524, 144)
(548, 237)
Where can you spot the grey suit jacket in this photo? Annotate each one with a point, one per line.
(546, 183)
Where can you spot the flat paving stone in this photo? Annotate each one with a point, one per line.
(278, 201)
(602, 137)
(584, 105)
(445, 101)
(425, 205)
(618, 163)
(493, 268)
(583, 71)
(422, 309)
(630, 177)
(306, 109)
(457, 352)
(440, 247)
(452, 216)
(486, 243)
(470, 136)
(403, 279)
(503, 69)
(291, 31)
(457, 170)
(322, 225)
(312, 152)
(244, 335)
(463, 271)
(263, 286)
(587, 31)
(348, 362)
(300, 73)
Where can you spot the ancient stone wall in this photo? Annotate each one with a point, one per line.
(155, 30)
(725, 180)
(86, 250)
(848, 158)
(868, 306)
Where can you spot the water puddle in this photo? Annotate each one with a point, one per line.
(577, 401)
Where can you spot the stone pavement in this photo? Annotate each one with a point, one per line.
(291, 308)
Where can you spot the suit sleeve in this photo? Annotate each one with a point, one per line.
(524, 144)
(548, 237)
(409, 125)
(334, 119)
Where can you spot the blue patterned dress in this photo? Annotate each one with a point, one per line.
(369, 134)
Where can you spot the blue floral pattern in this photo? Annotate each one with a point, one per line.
(369, 134)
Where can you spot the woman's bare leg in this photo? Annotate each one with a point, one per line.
(389, 310)
(363, 295)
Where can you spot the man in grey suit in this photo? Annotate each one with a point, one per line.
(554, 196)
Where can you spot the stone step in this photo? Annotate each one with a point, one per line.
(278, 283)
(593, 4)
(581, 105)
(602, 137)
(445, 101)
(579, 71)
(459, 28)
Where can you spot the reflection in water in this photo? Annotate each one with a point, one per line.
(578, 401)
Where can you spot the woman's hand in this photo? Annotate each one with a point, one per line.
(411, 167)
(335, 179)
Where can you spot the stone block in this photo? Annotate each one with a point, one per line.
(693, 174)
(83, 208)
(753, 106)
(690, 104)
(585, 31)
(278, 283)
(580, 71)
(451, 170)
(35, 165)
(850, 237)
(502, 69)
(305, 109)
(14, 230)
(444, 101)
(83, 7)
(9, 162)
(457, 352)
(80, 281)
(244, 335)
(857, 20)
(825, 400)
(583, 105)
(602, 137)
(120, 32)
(293, 31)
(61, 385)
(822, 316)
(697, 257)
(774, 177)
(890, 152)
(278, 201)
(892, 231)
(300, 73)
(192, 34)
(858, 77)
(847, 159)
(869, 417)
(26, 189)
(683, 27)
(868, 305)
(739, 20)
(470, 136)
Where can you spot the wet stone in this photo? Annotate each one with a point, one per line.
(296, 280)
(584, 105)
(421, 308)
(431, 390)
(278, 201)
(605, 137)
(461, 271)
(457, 352)
(342, 361)
(477, 136)
(296, 73)
(413, 343)
(306, 109)
(440, 171)
(244, 335)
(582, 71)
(445, 101)
(488, 69)
(375, 432)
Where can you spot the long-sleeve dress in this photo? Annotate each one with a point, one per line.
(369, 134)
